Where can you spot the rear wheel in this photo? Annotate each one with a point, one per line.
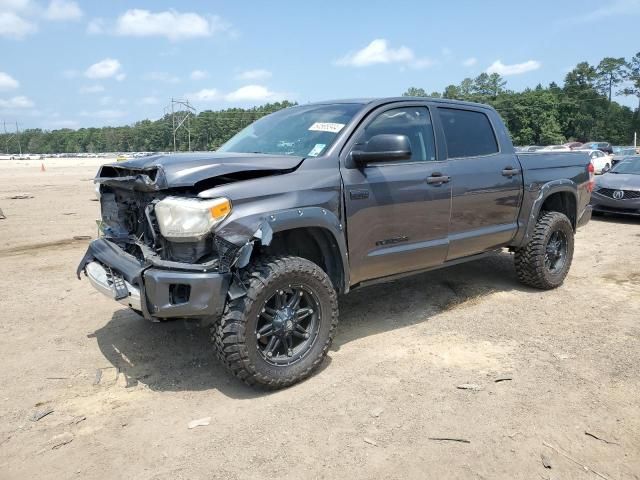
(280, 331)
(545, 261)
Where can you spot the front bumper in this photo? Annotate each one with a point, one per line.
(158, 293)
(602, 203)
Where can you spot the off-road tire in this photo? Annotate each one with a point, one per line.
(234, 334)
(530, 259)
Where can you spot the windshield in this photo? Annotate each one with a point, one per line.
(626, 151)
(305, 131)
(628, 165)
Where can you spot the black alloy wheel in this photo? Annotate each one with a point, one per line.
(288, 325)
(556, 252)
(280, 330)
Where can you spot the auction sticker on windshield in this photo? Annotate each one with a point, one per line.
(315, 151)
(326, 127)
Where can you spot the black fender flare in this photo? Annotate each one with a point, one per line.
(536, 200)
(314, 217)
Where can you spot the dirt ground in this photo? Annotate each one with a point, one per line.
(123, 390)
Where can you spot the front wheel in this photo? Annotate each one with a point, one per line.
(280, 331)
(544, 262)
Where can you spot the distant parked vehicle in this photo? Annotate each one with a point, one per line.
(574, 145)
(531, 148)
(605, 147)
(27, 156)
(600, 160)
(556, 148)
(618, 191)
(620, 153)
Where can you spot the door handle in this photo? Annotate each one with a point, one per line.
(437, 178)
(510, 172)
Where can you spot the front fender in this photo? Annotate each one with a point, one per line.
(314, 217)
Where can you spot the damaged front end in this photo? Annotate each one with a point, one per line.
(156, 262)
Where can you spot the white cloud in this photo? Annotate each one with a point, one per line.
(612, 9)
(514, 69)
(469, 62)
(149, 101)
(19, 102)
(14, 5)
(252, 93)
(107, 68)
(96, 88)
(205, 95)
(63, 10)
(7, 82)
(170, 23)
(164, 77)
(198, 75)
(14, 26)
(379, 52)
(252, 75)
(96, 26)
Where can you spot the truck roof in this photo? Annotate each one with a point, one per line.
(383, 100)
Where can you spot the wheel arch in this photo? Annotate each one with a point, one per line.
(315, 234)
(557, 196)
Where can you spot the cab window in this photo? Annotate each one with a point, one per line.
(468, 133)
(414, 122)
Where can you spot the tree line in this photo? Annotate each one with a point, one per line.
(209, 129)
(580, 109)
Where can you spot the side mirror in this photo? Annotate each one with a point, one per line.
(385, 147)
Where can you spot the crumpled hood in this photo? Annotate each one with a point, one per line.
(619, 181)
(159, 172)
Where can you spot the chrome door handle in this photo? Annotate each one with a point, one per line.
(510, 172)
(438, 178)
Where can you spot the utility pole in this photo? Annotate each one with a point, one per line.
(7, 138)
(173, 129)
(18, 136)
(181, 113)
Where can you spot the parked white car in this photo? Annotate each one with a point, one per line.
(600, 160)
(555, 148)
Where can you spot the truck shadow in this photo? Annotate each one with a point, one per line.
(178, 355)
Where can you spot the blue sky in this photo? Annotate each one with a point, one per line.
(87, 63)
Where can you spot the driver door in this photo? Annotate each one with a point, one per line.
(397, 211)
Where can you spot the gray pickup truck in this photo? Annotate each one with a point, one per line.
(260, 237)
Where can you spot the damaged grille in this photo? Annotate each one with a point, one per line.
(124, 214)
(128, 218)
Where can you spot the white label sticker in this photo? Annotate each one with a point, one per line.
(315, 151)
(326, 127)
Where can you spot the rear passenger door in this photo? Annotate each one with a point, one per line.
(486, 182)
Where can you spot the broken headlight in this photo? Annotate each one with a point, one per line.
(190, 219)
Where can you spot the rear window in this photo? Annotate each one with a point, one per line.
(468, 133)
